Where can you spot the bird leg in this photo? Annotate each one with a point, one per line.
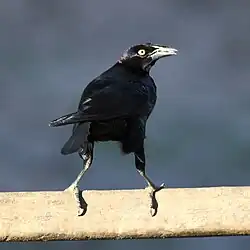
(140, 166)
(87, 157)
(153, 188)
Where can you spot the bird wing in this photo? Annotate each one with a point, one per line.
(107, 98)
(114, 99)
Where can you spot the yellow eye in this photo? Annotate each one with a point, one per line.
(141, 52)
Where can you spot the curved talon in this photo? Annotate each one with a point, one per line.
(80, 211)
(153, 211)
(154, 203)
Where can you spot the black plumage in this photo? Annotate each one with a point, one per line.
(115, 106)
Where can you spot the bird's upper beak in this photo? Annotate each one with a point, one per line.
(162, 51)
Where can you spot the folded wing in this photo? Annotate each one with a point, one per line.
(108, 100)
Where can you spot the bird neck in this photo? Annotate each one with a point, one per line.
(132, 68)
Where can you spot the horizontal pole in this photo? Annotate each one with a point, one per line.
(121, 214)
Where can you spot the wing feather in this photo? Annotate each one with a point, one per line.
(114, 100)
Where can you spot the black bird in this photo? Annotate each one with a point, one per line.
(115, 106)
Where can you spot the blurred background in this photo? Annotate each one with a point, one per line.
(198, 134)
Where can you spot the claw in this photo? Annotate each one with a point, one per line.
(80, 211)
(76, 192)
(154, 204)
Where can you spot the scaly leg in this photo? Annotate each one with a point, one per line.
(87, 157)
(140, 166)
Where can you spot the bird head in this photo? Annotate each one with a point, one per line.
(143, 56)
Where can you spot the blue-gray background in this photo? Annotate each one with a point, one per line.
(198, 134)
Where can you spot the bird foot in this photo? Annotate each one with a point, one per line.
(77, 195)
(154, 204)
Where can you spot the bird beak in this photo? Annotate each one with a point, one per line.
(162, 51)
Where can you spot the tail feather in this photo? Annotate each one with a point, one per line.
(65, 120)
(77, 140)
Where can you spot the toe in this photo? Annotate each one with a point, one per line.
(154, 189)
(153, 211)
(71, 188)
(80, 211)
(160, 187)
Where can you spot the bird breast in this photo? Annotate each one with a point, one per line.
(111, 130)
